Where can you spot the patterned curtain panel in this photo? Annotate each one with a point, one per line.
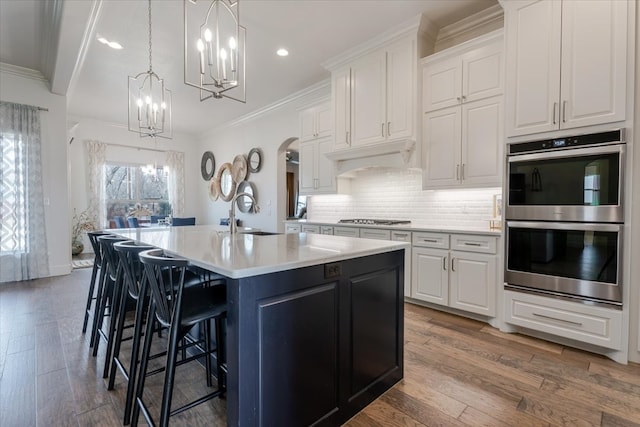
(175, 163)
(23, 239)
(96, 158)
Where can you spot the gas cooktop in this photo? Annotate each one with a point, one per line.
(374, 221)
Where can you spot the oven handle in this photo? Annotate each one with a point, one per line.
(606, 149)
(566, 226)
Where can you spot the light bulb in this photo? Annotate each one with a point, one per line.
(155, 107)
(139, 102)
(223, 54)
(163, 105)
(147, 100)
(207, 35)
(200, 45)
(232, 43)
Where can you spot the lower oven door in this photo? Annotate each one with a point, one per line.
(576, 260)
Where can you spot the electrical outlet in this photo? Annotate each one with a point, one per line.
(332, 270)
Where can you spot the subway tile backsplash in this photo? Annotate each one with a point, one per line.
(397, 194)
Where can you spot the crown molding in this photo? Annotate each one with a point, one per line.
(486, 17)
(27, 73)
(404, 29)
(320, 87)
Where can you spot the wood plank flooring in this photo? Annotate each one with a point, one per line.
(458, 372)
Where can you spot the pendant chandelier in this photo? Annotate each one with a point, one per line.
(149, 102)
(214, 49)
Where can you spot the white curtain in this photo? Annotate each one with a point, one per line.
(23, 238)
(175, 163)
(96, 155)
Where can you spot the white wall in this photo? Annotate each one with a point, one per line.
(88, 129)
(266, 131)
(25, 90)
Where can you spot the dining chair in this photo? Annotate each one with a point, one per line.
(183, 221)
(133, 222)
(120, 223)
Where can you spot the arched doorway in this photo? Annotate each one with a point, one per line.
(287, 181)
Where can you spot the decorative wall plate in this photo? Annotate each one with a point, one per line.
(239, 168)
(254, 160)
(207, 165)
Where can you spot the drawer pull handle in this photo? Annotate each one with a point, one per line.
(472, 244)
(401, 234)
(559, 320)
(430, 240)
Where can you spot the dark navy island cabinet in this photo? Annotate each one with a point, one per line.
(314, 345)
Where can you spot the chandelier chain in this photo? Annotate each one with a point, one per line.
(150, 67)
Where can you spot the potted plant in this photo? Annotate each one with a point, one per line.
(82, 223)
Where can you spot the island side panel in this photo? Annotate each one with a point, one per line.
(290, 337)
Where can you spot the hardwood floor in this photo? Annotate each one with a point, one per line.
(458, 372)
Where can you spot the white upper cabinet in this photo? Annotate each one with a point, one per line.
(566, 64)
(316, 122)
(317, 175)
(462, 136)
(374, 97)
(468, 77)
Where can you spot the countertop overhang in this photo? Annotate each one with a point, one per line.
(245, 255)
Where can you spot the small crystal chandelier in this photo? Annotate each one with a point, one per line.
(214, 49)
(149, 102)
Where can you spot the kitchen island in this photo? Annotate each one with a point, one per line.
(315, 322)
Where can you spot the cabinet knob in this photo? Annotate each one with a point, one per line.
(458, 98)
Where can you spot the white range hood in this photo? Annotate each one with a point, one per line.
(394, 154)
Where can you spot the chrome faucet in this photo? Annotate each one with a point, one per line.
(233, 228)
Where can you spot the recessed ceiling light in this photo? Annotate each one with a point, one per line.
(112, 45)
(282, 52)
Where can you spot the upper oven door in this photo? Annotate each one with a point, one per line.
(580, 184)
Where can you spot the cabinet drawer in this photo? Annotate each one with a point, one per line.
(401, 236)
(593, 325)
(367, 233)
(346, 231)
(311, 229)
(431, 240)
(474, 243)
(292, 228)
(325, 229)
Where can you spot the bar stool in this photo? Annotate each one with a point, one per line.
(179, 308)
(135, 286)
(111, 276)
(97, 264)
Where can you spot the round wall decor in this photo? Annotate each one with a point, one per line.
(226, 185)
(239, 168)
(214, 186)
(207, 165)
(254, 160)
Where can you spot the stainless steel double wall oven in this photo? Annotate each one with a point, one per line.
(565, 217)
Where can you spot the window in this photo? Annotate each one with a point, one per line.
(13, 236)
(136, 191)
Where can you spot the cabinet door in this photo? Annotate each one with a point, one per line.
(324, 120)
(341, 95)
(430, 275)
(368, 99)
(533, 66)
(482, 142)
(401, 92)
(482, 72)
(325, 174)
(473, 282)
(441, 87)
(307, 125)
(292, 228)
(441, 147)
(309, 228)
(307, 167)
(346, 231)
(594, 62)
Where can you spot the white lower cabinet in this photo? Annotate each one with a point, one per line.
(590, 324)
(326, 229)
(292, 228)
(455, 270)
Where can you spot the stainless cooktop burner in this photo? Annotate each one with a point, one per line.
(374, 221)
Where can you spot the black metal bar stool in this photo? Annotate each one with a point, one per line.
(180, 308)
(111, 276)
(135, 287)
(97, 264)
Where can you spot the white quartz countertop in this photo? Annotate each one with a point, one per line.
(409, 227)
(245, 255)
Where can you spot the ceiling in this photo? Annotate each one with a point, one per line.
(313, 31)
